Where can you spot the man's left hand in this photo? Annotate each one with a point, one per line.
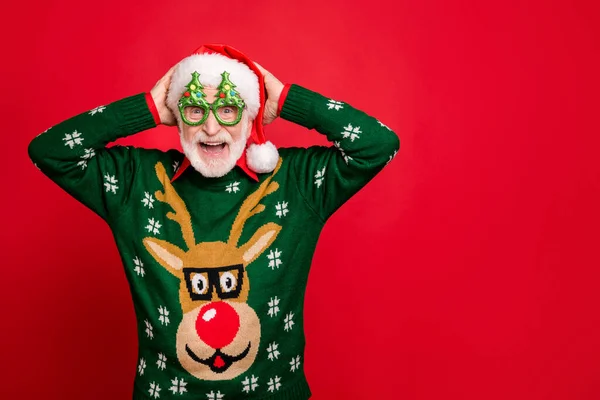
(274, 89)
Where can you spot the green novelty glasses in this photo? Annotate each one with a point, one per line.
(227, 108)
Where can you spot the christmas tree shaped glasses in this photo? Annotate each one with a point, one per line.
(227, 108)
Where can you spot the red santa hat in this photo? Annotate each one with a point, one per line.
(210, 61)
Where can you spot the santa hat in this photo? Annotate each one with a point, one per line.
(210, 61)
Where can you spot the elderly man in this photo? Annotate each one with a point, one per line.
(217, 242)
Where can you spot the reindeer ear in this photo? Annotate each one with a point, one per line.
(166, 254)
(264, 236)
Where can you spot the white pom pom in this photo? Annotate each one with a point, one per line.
(262, 158)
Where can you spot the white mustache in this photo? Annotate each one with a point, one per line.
(222, 136)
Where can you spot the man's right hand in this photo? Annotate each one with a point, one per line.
(159, 95)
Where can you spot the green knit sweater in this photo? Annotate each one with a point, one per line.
(217, 267)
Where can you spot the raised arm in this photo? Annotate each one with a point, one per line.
(73, 153)
(362, 145)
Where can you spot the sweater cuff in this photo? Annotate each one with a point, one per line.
(282, 98)
(297, 106)
(134, 115)
(152, 108)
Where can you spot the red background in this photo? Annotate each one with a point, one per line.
(468, 269)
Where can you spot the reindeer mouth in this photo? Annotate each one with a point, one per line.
(218, 362)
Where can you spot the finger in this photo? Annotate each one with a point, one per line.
(261, 69)
(166, 79)
(170, 72)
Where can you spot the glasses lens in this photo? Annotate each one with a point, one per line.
(194, 114)
(228, 113)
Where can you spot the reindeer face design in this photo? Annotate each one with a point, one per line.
(219, 334)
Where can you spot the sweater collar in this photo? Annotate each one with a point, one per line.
(241, 162)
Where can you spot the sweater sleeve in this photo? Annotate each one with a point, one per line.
(73, 154)
(362, 146)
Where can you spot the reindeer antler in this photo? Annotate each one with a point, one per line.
(170, 196)
(251, 207)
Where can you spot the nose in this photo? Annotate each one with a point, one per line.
(217, 324)
(211, 125)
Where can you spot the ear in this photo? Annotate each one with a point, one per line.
(166, 254)
(264, 236)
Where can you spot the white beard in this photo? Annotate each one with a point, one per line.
(215, 168)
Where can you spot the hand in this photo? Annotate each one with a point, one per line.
(274, 89)
(159, 95)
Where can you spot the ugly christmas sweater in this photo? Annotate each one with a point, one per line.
(217, 267)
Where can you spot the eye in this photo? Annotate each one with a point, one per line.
(228, 113)
(228, 282)
(194, 113)
(199, 284)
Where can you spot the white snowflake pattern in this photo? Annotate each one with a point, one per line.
(392, 157)
(139, 267)
(272, 351)
(73, 139)
(384, 125)
(110, 183)
(232, 187)
(288, 321)
(148, 200)
(346, 157)
(96, 110)
(215, 396)
(250, 384)
(178, 385)
(161, 362)
(295, 363)
(163, 315)
(274, 260)
(154, 390)
(334, 105)
(153, 226)
(319, 176)
(149, 329)
(142, 366)
(351, 132)
(282, 209)
(88, 153)
(273, 306)
(175, 165)
(274, 384)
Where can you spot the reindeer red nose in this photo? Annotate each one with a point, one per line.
(217, 324)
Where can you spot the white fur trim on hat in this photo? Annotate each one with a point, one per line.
(262, 158)
(210, 67)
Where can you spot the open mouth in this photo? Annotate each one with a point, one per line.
(218, 362)
(213, 148)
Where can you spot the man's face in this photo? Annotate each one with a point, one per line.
(213, 149)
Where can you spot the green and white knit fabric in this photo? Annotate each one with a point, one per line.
(217, 267)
